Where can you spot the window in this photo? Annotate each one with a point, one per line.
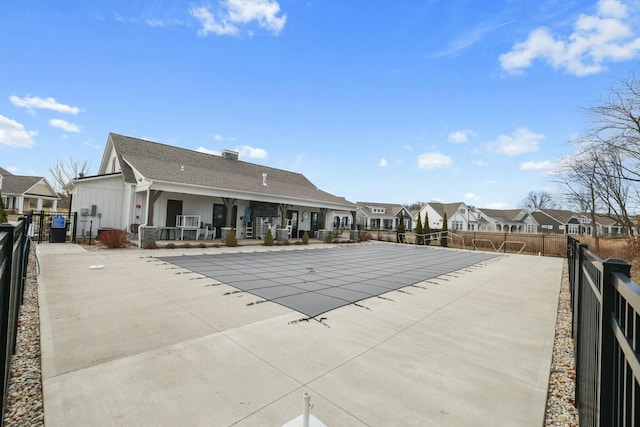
(377, 210)
(531, 228)
(574, 229)
(456, 225)
(462, 211)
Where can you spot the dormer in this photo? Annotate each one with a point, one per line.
(377, 210)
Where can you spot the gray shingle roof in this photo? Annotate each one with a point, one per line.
(505, 215)
(160, 162)
(18, 184)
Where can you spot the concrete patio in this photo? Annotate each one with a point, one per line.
(130, 340)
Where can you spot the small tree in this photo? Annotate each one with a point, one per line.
(268, 239)
(401, 229)
(426, 229)
(445, 231)
(232, 240)
(3, 213)
(418, 231)
(329, 238)
(305, 238)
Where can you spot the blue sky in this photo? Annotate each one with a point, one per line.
(392, 102)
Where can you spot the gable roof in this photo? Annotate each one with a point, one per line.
(389, 208)
(449, 208)
(559, 215)
(504, 215)
(165, 163)
(26, 185)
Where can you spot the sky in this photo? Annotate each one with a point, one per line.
(391, 102)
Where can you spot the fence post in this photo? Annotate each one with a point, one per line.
(607, 345)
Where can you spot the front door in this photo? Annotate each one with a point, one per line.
(174, 208)
(219, 219)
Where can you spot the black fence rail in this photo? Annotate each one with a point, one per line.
(47, 226)
(14, 255)
(606, 333)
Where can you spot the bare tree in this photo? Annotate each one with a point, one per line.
(64, 172)
(538, 200)
(578, 173)
(605, 171)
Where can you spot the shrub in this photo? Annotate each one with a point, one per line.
(268, 239)
(171, 246)
(426, 229)
(305, 238)
(401, 229)
(418, 231)
(114, 239)
(150, 246)
(232, 240)
(329, 238)
(3, 212)
(445, 231)
(364, 236)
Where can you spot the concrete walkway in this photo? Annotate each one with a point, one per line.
(128, 340)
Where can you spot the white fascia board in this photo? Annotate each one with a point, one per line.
(201, 190)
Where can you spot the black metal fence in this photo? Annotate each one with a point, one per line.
(606, 333)
(14, 255)
(44, 229)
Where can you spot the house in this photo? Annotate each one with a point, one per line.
(556, 221)
(159, 188)
(382, 216)
(459, 216)
(508, 220)
(22, 193)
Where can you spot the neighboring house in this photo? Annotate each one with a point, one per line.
(459, 216)
(22, 194)
(382, 216)
(556, 221)
(508, 220)
(141, 182)
(606, 225)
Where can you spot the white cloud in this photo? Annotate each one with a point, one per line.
(407, 148)
(234, 13)
(207, 151)
(480, 163)
(12, 169)
(433, 161)
(218, 137)
(461, 136)
(14, 134)
(64, 125)
(471, 196)
(521, 141)
(252, 153)
(382, 162)
(596, 39)
(33, 102)
(536, 166)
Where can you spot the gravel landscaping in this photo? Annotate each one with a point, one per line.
(25, 408)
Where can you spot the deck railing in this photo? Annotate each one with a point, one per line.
(14, 254)
(606, 333)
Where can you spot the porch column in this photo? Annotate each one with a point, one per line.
(152, 198)
(228, 204)
(55, 206)
(20, 204)
(323, 217)
(39, 204)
